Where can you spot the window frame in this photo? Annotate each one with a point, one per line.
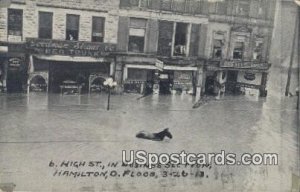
(103, 28)
(78, 16)
(135, 27)
(39, 25)
(12, 27)
(242, 52)
(188, 37)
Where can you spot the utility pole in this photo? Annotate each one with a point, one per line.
(287, 88)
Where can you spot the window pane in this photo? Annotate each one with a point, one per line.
(137, 32)
(45, 25)
(138, 23)
(243, 7)
(98, 29)
(15, 22)
(136, 44)
(72, 22)
(72, 27)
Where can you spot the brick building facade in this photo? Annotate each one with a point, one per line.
(172, 46)
(46, 42)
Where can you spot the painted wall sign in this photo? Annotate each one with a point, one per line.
(70, 48)
(249, 76)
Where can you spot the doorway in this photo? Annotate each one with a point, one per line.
(166, 82)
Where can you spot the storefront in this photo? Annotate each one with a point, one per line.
(13, 68)
(151, 75)
(56, 66)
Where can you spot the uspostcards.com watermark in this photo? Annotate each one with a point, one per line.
(141, 157)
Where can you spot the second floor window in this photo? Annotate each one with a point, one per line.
(137, 31)
(217, 49)
(258, 50)
(243, 7)
(45, 25)
(238, 50)
(98, 29)
(15, 22)
(180, 42)
(72, 31)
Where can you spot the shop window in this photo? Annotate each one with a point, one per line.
(217, 49)
(15, 22)
(243, 7)
(137, 31)
(45, 25)
(180, 42)
(72, 31)
(98, 29)
(136, 74)
(258, 48)
(238, 50)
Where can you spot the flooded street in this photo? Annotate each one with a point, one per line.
(40, 128)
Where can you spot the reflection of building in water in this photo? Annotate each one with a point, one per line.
(173, 46)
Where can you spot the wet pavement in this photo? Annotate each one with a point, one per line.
(40, 128)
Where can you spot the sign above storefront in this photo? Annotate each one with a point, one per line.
(69, 48)
(245, 64)
(159, 65)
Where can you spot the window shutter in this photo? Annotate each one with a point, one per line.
(152, 36)
(123, 34)
(194, 42)
(165, 38)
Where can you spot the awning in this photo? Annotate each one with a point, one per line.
(179, 68)
(69, 58)
(141, 66)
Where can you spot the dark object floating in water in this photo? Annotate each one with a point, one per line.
(155, 136)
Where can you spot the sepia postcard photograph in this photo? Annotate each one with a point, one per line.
(149, 96)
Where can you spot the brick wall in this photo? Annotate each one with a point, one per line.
(86, 9)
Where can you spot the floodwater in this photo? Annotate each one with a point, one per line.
(40, 128)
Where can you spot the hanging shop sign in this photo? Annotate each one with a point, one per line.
(249, 76)
(69, 48)
(159, 65)
(15, 63)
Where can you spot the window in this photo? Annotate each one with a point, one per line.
(262, 9)
(238, 50)
(15, 22)
(218, 44)
(217, 49)
(243, 7)
(45, 25)
(137, 31)
(257, 51)
(181, 36)
(72, 31)
(221, 8)
(98, 29)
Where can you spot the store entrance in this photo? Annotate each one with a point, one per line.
(14, 81)
(231, 82)
(75, 73)
(166, 80)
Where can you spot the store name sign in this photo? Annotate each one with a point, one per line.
(244, 64)
(70, 48)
